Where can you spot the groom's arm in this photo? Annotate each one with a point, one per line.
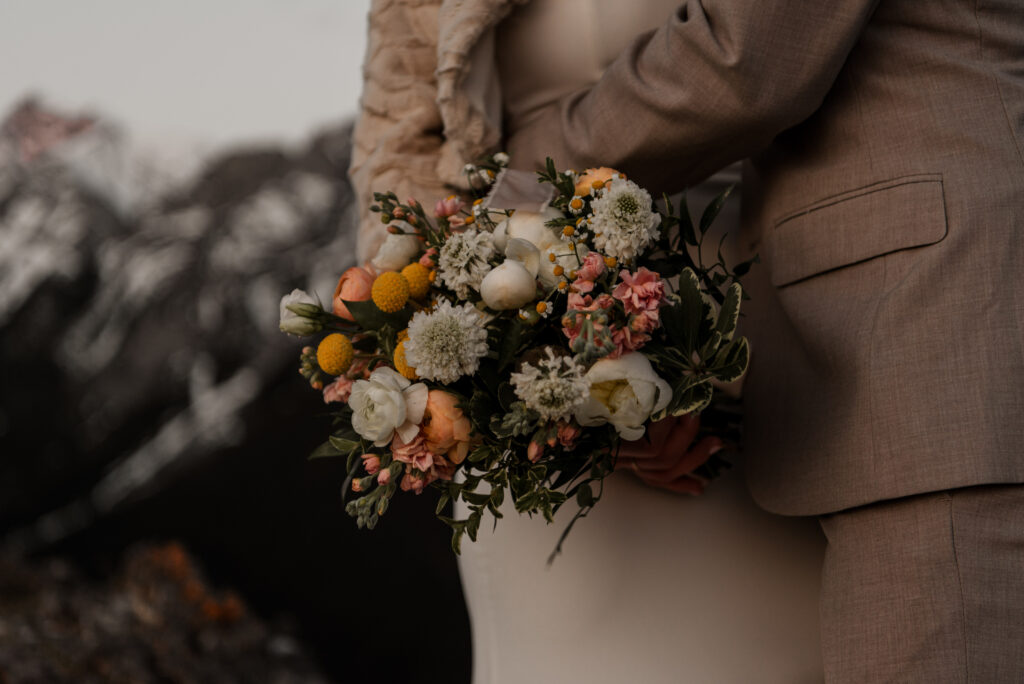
(715, 84)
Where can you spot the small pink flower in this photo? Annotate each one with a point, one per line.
(356, 487)
(429, 258)
(339, 390)
(384, 477)
(568, 433)
(641, 291)
(646, 322)
(413, 484)
(626, 340)
(592, 268)
(415, 453)
(371, 462)
(534, 451)
(448, 207)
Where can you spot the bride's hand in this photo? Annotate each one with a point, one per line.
(667, 456)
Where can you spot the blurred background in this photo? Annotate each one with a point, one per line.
(167, 172)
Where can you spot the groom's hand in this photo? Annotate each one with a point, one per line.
(666, 456)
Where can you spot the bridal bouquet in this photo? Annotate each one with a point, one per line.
(497, 352)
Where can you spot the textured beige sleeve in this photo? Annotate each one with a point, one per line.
(713, 85)
(397, 138)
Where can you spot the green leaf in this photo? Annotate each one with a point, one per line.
(370, 317)
(344, 446)
(729, 314)
(711, 212)
(325, 450)
(688, 318)
(441, 503)
(585, 495)
(511, 339)
(693, 400)
(732, 361)
(686, 230)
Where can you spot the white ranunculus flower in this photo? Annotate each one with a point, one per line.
(513, 283)
(624, 392)
(295, 323)
(387, 403)
(396, 252)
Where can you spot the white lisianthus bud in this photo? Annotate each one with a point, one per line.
(624, 392)
(396, 252)
(297, 308)
(387, 403)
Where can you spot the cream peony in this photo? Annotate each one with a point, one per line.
(387, 403)
(513, 283)
(624, 392)
(396, 252)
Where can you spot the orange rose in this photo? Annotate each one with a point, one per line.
(354, 286)
(447, 429)
(603, 174)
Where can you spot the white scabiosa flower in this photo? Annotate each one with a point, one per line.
(463, 261)
(622, 221)
(553, 387)
(446, 343)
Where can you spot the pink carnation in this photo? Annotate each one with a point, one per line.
(568, 433)
(626, 340)
(640, 292)
(384, 477)
(415, 453)
(412, 483)
(339, 390)
(591, 270)
(371, 462)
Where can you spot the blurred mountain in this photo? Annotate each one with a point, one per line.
(146, 393)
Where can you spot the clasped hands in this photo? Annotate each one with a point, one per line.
(667, 455)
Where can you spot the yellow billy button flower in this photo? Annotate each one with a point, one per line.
(390, 291)
(576, 204)
(597, 185)
(568, 231)
(551, 257)
(558, 270)
(334, 355)
(402, 364)
(470, 220)
(610, 261)
(477, 201)
(563, 285)
(418, 277)
(542, 307)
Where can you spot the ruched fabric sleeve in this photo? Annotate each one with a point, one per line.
(398, 133)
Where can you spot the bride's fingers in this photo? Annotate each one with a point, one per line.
(687, 462)
(651, 444)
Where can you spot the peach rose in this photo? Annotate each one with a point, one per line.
(354, 286)
(603, 174)
(446, 428)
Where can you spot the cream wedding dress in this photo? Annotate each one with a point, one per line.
(652, 587)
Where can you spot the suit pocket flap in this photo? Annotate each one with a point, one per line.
(857, 226)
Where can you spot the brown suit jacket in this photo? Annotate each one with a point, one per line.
(885, 193)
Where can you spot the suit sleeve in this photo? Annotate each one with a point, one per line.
(713, 85)
(398, 138)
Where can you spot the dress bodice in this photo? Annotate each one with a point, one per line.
(549, 48)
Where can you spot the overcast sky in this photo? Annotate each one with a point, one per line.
(213, 70)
